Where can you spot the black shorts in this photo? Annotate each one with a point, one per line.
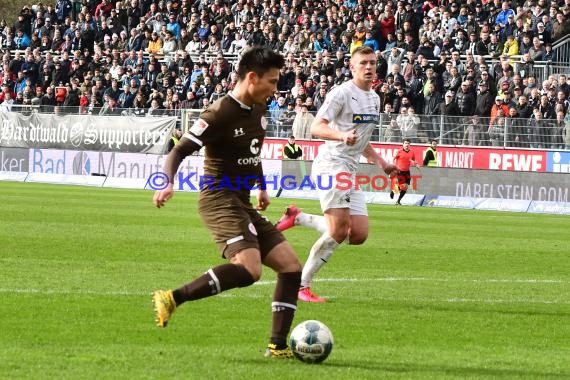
(235, 224)
(404, 177)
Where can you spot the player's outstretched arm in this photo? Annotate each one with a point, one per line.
(372, 156)
(162, 196)
(184, 148)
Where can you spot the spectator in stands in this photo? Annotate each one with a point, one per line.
(21, 40)
(62, 10)
(549, 54)
(558, 133)
(302, 123)
(452, 81)
(484, 101)
(138, 107)
(218, 93)
(497, 129)
(59, 76)
(155, 109)
(432, 99)
(537, 130)
(511, 46)
(560, 27)
(543, 35)
(495, 47)
(515, 129)
(448, 109)
(190, 102)
(566, 134)
(545, 107)
(48, 100)
(408, 122)
(320, 95)
(465, 99)
(8, 40)
(169, 45)
(7, 103)
(392, 131)
(126, 98)
(536, 52)
(498, 108)
(471, 131)
(237, 45)
(371, 41)
(562, 101)
(193, 46)
(155, 44)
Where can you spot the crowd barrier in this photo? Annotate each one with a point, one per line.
(433, 187)
(17, 129)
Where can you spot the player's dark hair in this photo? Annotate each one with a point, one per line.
(407, 140)
(260, 60)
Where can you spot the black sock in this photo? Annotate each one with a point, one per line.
(402, 193)
(283, 307)
(392, 194)
(214, 281)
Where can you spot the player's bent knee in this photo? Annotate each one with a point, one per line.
(247, 274)
(254, 275)
(339, 234)
(293, 267)
(283, 259)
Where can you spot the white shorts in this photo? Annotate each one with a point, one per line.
(324, 176)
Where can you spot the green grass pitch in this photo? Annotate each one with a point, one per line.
(433, 293)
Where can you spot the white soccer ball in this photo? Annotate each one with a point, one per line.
(311, 341)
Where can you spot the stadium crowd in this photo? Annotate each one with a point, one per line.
(473, 59)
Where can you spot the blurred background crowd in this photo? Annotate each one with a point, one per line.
(472, 59)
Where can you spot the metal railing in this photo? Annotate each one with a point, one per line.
(562, 50)
(498, 131)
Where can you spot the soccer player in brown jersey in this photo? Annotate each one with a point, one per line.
(232, 130)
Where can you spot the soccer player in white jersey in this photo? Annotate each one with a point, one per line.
(346, 121)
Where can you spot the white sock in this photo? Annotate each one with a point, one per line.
(317, 222)
(320, 253)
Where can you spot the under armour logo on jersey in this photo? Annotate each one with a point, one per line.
(238, 132)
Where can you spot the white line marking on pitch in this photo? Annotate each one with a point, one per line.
(384, 279)
(428, 279)
(241, 295)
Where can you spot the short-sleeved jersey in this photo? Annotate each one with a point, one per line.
(403, 159)
(233, 134)
(348, 107)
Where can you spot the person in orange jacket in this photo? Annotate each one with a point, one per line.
(499, 105)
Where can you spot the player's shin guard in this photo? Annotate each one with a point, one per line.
(283, 306)
(320, 254)
(317, 222)
(214, 281)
